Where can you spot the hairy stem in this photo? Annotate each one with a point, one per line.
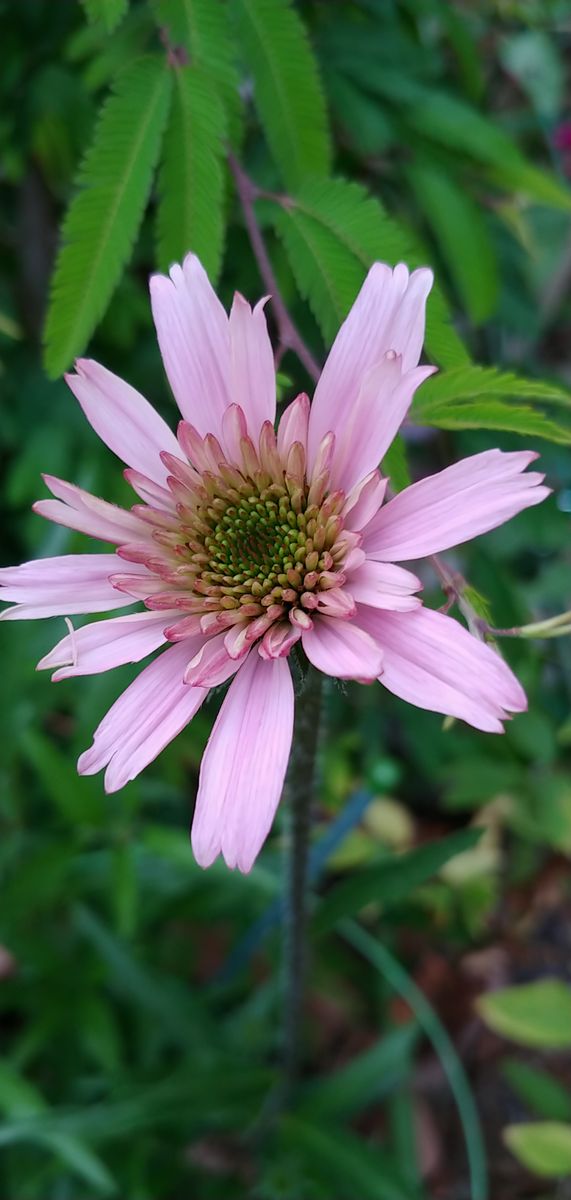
(288, 336)
(299, 792)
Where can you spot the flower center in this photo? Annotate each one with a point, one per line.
(255, 544)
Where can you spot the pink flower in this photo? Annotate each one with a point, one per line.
(247, 541)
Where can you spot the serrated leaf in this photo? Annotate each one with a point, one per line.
(104, 217)
(108, 13)
(333, 230)
(191, 180)
(288, 91)
(481, 398)
(494, 414)
(475, 382)
(201, 28)
(392, 879)
(460, 230)
(534, 1014)
(544, 1147)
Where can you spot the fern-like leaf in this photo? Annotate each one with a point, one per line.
(332, 231)
(108, 13)
(201, 28)
(104, 217)
(288, 91)
(486, 398)
(191, 180)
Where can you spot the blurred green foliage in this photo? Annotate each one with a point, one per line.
(139, 996)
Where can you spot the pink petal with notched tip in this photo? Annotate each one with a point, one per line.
(293, 425)
(384, 585)
(388, 314)
(342, 649)
(145, 718)
(103, 645)
(77, 509)
(62, 586)
(252, 372)
(430, 660)
(194, 338)
(122, 418)
(244, 765)
(457, 504)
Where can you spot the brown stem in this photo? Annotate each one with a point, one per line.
(289, 337)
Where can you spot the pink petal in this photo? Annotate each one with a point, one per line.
(342, 649)
(145, 718)
(103, 645)
(79, 510)
(293, 425)
(367, 429)
(433, 662)
(467, 499)
(149, 491)
(388, 314)
(63, 586)
(383, 585)
(212, 664)
(252, 372)
(193, 332)
(244, 765)
(122, 418)
(364, 501)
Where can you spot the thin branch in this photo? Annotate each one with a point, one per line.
(289, 337)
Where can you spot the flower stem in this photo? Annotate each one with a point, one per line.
(299, 791)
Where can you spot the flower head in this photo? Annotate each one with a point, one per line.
(249, 540)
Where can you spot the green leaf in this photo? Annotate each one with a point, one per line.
(544, 1147)
(108, 13)
(542, 1093)
(481, 398)
(366, 1079)
(395, 465)
(391, 880)
(333, 230)
(533, 1014)
(191, 181)
(288, 91)
(201, 28)
(342, 1161)
(104, 217)
(460, 230)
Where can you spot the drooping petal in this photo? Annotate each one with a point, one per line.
(293, 426)
(388, 314)
(145, 718)
(193, 333)
(102, 645)
(383, 585)
(122, 418)
(244, 765)
(77, 509)
(342, 649)
(464, 500)
(364, 501)
(63, 586)
(252, 372)
(430, 660)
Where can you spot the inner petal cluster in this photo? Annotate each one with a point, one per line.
(250, 544)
